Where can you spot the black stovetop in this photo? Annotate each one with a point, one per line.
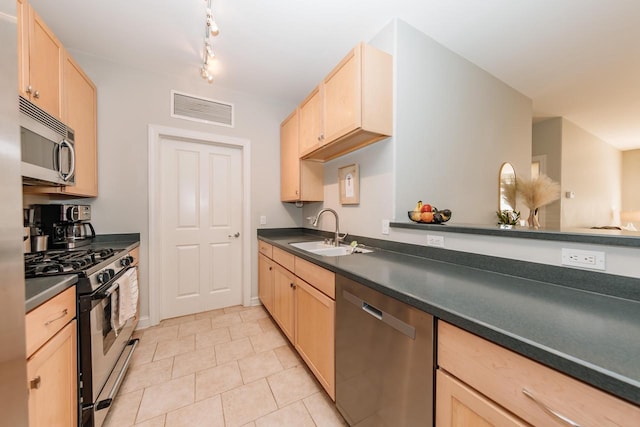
(64, 261)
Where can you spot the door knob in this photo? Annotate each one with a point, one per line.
(235, 235)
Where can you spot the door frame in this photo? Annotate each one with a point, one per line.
(156, 132)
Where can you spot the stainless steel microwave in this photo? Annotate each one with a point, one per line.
(48, 150)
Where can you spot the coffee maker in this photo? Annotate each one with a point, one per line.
(67, 226)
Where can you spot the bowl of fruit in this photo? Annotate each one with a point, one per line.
(426, 214)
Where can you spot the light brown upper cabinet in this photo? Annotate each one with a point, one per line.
(43, 59)
(356, 101)
(311, 128)
(80, 99)
(40, 56)
(300, 180)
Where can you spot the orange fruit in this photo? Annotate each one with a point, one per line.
(426, 216)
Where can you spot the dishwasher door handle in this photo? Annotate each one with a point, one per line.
(382, 316)
(372, 310)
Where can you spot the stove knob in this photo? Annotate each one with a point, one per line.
(103, 277)
(126, 261)
(106, 275)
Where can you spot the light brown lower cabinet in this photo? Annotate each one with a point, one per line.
(265, 281)
(284, 300)
(315, 333)
(52, 381)
(490, 379)
(458, 405)
(301, 298)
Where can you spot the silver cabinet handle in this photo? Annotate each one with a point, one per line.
(64, 313)
(29, 89)
(236, 235)
(36, 94)
(548, 410)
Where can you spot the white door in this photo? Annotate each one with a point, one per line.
(200, 204)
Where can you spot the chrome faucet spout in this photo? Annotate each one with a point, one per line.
(336, 240)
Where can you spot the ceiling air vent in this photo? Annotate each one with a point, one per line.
(190, 107)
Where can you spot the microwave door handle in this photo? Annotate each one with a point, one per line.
(72, 155)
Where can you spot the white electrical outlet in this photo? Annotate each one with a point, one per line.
(263, 220)
(437, 241)
(385, 226)
(583, 259)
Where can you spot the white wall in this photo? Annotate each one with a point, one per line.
(456, 126)
(592, 169)
(418, 139)
(128, 101)
(547, 142)
(631, 182)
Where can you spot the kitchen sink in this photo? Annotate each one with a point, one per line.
(324, 249)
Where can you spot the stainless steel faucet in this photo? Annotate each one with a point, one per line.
(336, 240)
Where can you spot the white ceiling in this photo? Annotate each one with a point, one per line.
(575, 58)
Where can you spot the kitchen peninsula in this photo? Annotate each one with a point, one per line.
(587, 336)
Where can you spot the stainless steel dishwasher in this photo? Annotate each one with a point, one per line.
(384, 359)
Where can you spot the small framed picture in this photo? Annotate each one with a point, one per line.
(349, 182)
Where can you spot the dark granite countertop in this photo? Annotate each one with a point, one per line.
(589, 336)
(42, 289)
(622, 238)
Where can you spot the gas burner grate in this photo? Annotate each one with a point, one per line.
(56, 262)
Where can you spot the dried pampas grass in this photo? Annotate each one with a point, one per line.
(537, 192)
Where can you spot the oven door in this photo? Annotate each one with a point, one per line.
(111, 349)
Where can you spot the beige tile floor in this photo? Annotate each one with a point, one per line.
(228, 367)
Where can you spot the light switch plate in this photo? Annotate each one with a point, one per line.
(385, 226)
(263, 220)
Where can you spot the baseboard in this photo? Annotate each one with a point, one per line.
(143, 323)
(255, 301)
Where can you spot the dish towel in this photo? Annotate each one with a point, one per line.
(115, 312)
(124, 300)
(128, 298)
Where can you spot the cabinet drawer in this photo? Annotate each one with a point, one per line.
(525, 387)
(318, 277)
(45, 321)
(265, 249)
(283, 258)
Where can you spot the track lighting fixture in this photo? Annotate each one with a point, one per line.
(211, 29)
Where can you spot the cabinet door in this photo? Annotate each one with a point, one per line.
(342, 97)
(53, 380)
(315, 333)
(289, 159)
(458, 405)
(283, 300)
(265, 282)
(311, 129)
(22, 14)
(44, 62)
(80, 114)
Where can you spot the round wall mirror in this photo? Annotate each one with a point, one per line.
(507, 188)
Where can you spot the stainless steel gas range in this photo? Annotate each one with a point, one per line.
(104, 347)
